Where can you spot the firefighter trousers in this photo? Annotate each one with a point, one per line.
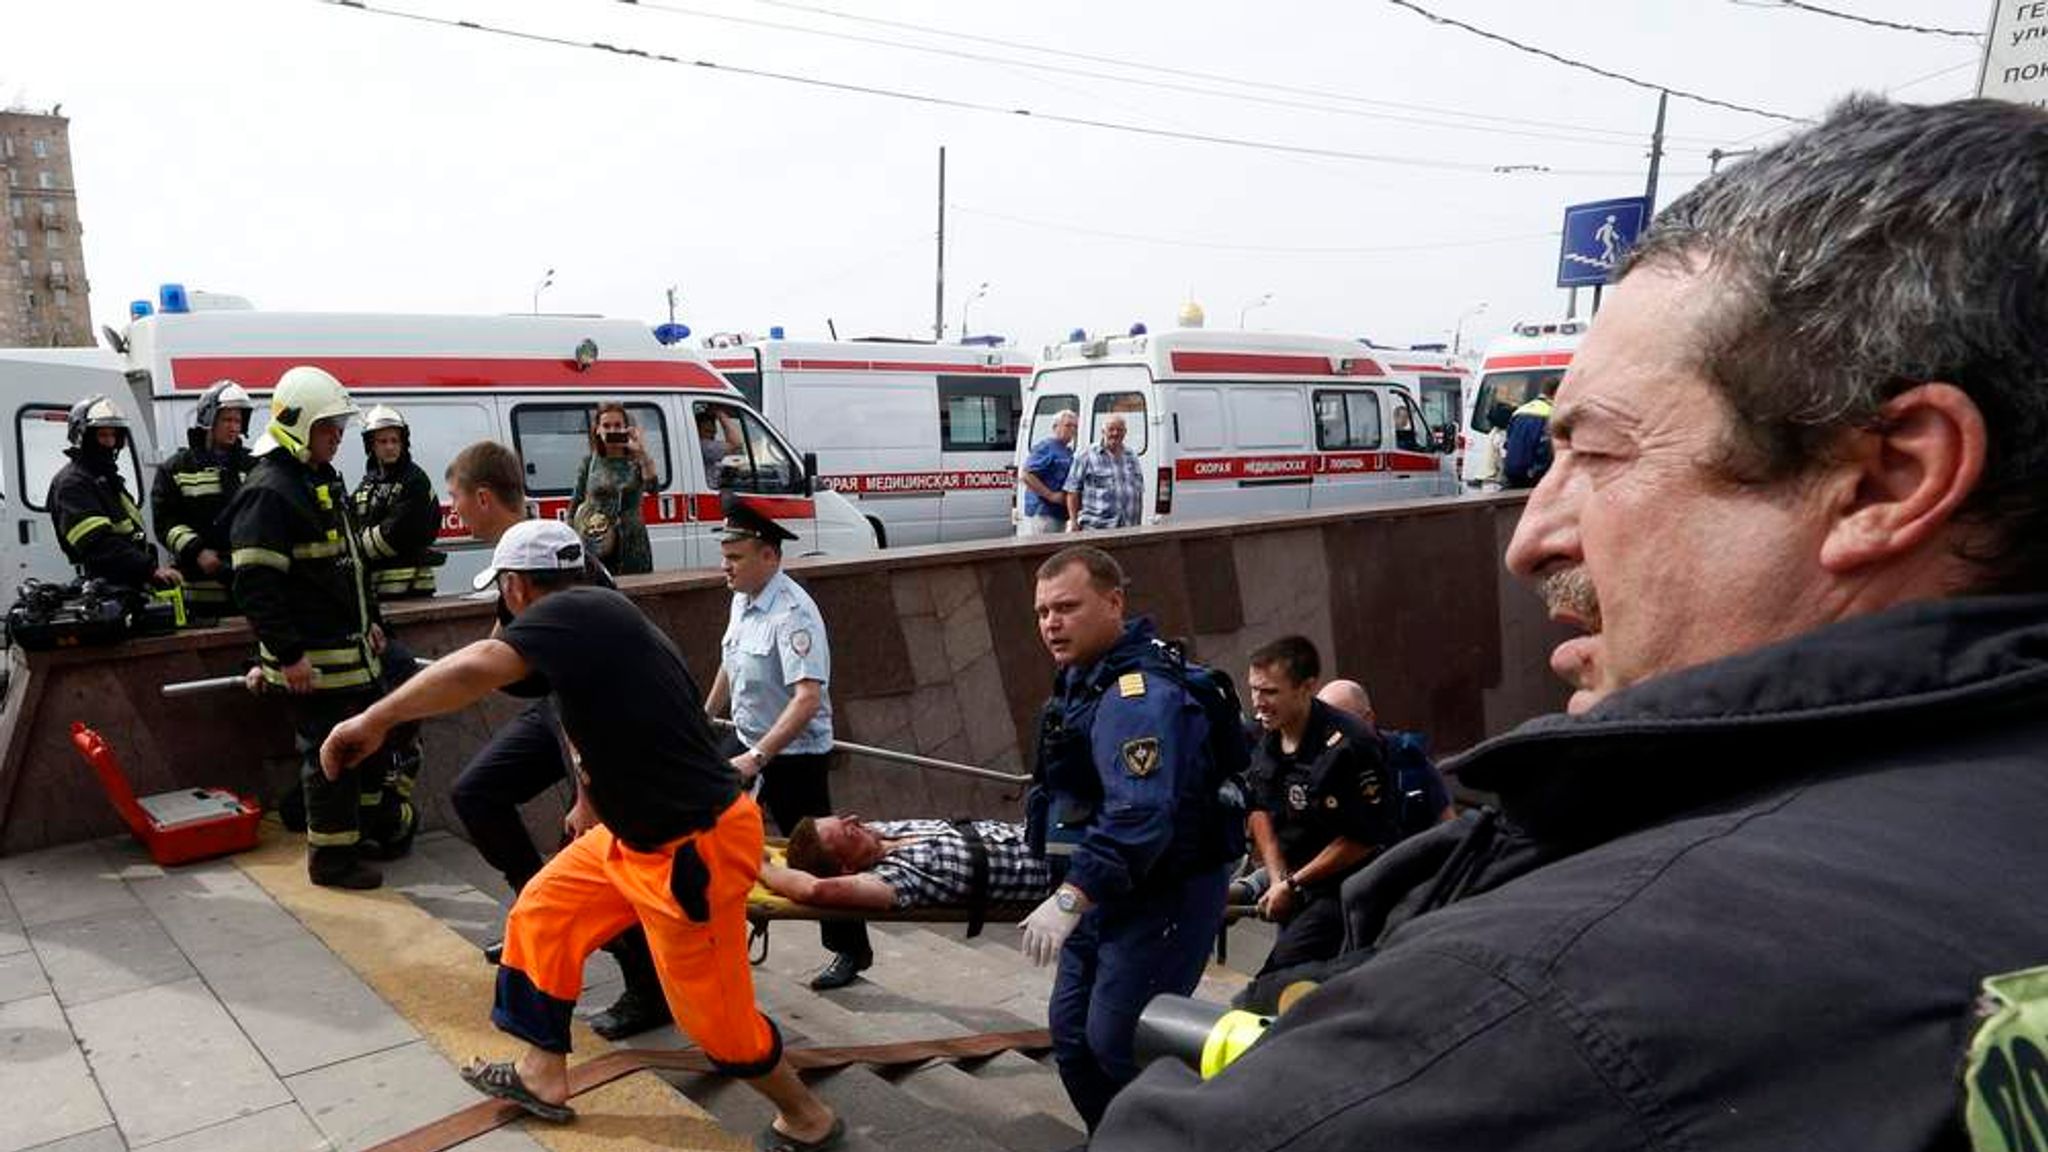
(689, 894)
(334, 809)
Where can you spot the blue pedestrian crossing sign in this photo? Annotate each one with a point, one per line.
(1596, 238)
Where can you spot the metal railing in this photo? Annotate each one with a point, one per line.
(186, 688)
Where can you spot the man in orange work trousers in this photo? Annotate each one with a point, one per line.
(664, 835)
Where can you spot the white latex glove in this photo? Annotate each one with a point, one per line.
(1046, 931)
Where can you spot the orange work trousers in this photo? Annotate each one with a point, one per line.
(691, 897)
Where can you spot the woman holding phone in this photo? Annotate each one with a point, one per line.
(606, 504)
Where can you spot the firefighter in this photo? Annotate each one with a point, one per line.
(97, 522)
(299, 577)
(194, 487)
(397, 514)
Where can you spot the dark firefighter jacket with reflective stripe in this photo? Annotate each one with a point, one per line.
(1753, 904)
(299, 572)
(191, 492)
(397, 518)
(98, 525)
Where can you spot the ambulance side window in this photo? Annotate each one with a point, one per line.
(554, 439)
(1198, 416)
(1347, 421)
(978, 414)
(1440, 404)
(758, 463)
(1262, 416)
(1509, 390)
(1050, 406)
(40, 440)
(1130, 406)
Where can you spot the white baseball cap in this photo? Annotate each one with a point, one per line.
(534, 546)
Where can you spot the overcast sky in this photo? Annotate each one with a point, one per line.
(310, 156)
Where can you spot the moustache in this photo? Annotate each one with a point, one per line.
(1569, 591)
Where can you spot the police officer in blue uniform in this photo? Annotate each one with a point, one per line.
(774, 666)
(1125, 806)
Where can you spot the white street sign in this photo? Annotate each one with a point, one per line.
(2016, 56)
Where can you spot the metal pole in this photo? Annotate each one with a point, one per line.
(911, 758)
(939, 287)
(219, 683)
(1656, 158)
(1571, 304)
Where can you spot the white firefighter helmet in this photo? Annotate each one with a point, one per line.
(305, 396)
(223, 396)
(90, 415)
(381, 417)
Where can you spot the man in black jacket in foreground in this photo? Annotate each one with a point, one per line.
(1773, 879)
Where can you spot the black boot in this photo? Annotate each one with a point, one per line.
(341, 868)
(642, 1005)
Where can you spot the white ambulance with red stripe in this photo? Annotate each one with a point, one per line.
(1514, 370)
(1236, 424)
(530, 382)
(919, 436)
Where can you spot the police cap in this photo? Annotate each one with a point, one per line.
(743, 521)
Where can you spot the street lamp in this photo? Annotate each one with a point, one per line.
(547, 278)
(1261, 302)
(672, 303)
(1458, 333)
(977, 294)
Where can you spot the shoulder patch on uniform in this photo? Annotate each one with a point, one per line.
(1369, 783)
(2008, 1056)
(1131, 684)
(1336, 737)
(800, 641)
(1141, 756)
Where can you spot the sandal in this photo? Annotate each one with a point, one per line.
(773, 1139)
(500, 1078)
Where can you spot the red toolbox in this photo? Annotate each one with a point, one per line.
(176, 827)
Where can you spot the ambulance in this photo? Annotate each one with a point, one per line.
(919, 436)
(1436, 379)
(1513, 372)
(1236, 424)
(531, 382)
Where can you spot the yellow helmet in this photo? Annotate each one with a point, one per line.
(305, 396)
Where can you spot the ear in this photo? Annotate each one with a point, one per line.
(1902, 482)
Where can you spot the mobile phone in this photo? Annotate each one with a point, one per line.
(616, 437)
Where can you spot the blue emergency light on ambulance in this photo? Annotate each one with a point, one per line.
(171, 299)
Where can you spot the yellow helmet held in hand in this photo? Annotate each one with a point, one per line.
(305, 396)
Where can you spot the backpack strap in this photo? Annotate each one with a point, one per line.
(977, 871)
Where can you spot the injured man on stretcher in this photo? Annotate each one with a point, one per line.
(900, 865)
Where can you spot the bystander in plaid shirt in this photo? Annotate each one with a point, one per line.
(934, 867)
(1111, 485)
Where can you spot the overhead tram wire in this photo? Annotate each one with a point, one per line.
(1858, 18)
(1260, 249)
(1595, 69)
(1576, 136)
(1628, 135)
(1246, 143)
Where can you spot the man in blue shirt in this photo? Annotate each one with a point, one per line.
(1527, 456)
(1045, 477)
(774, 667)
(1119, 807)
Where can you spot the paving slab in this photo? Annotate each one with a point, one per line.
(108, 953)
(44, 1064)
(106, 1139)
(362, 1102)
(302, 1007)
(63, 884)
(13, 937)
(213, 908)
(21, 976)
(171, 1060)
(281, 1129)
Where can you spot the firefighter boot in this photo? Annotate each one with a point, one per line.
(341, 867)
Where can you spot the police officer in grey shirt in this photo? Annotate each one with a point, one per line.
(774, 667)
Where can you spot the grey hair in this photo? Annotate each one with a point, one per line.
(1887, 247)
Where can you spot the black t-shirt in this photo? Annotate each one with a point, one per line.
(1335, 783)
(628, 702)
(536, 685)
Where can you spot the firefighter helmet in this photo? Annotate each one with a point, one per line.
(305, 396)
(223, 396)
(90, 415)
(379, 418)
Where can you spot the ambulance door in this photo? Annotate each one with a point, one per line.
(1350, 439)
(552, 436)
(978, 418)
(877, 437)
(751, 460)
(1416, 462)
(1442, 404)
(36, 453)
(1271, 468)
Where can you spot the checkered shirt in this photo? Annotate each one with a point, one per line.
(1112, 488)
(934, 868)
